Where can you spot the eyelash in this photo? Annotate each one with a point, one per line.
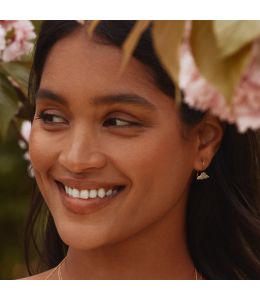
(45, 119)
(129, 123)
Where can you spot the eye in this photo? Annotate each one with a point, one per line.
(48, 118)
(116, 122)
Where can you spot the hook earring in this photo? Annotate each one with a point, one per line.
(203, 175)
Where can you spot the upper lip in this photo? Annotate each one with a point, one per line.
(87, 185)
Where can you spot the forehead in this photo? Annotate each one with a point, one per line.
(80, 69)
(83, 63)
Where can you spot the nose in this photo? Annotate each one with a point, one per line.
(81, 152)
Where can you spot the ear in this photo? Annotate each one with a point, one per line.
(209, 135)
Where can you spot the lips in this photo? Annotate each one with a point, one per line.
(89, 205)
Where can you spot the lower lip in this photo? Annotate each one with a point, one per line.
(87, 206)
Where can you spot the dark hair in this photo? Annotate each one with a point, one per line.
(223, 212)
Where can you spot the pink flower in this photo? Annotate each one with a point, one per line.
(26, 130)
(2, 38)
(6, 24)
(18, 43)
(200, 94)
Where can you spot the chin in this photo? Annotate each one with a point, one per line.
(77, 241)
(81, 239)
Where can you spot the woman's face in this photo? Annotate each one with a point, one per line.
(95, 131)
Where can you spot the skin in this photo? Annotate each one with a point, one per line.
(141, 235)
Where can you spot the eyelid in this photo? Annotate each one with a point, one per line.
(43, 114)
(129, 122)
(124, 115)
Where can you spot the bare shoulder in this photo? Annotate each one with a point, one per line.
(50, 274)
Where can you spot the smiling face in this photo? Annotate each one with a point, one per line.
(94, 130)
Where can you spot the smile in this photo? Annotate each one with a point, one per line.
(85, 201)
(91, 193)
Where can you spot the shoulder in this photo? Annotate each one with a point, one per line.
(50, 274)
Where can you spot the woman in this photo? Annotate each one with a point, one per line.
(117, 165)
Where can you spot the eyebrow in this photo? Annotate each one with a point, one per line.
(125, 98)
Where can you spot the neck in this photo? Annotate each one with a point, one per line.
(158, 252)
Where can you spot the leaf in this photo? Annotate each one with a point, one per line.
(132, 41)
(167, 39)
(19, 73)
(26, 61)
(92, 26)
(233, 35)
(37, 26)
(223, 73)
(8, 104)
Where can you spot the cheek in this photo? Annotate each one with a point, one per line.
(158, 171)
(162, 170)
(43, 155)
(159, 168)
(41, 150)
(153, 159)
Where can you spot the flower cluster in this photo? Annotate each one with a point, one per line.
(25, 132)
(200, 94)
(15, 39)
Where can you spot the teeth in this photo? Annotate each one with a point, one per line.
(109, 192)
(75, 193)
(93, 194)
(114, 192)
(86, 194)
(101, 193)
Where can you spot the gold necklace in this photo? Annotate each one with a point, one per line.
(58, 269)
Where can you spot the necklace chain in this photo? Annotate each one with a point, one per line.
(58, 269)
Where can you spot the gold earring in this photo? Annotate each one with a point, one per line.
(202, 175)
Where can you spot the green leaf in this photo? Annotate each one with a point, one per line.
(37, 25)
(167, 39)
(92, 26)
(19, 73)
(232, 35)
(132, 41)
(8, 104)
(223, 73)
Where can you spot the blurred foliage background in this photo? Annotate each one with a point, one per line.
(15, 191)
(17, 39)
